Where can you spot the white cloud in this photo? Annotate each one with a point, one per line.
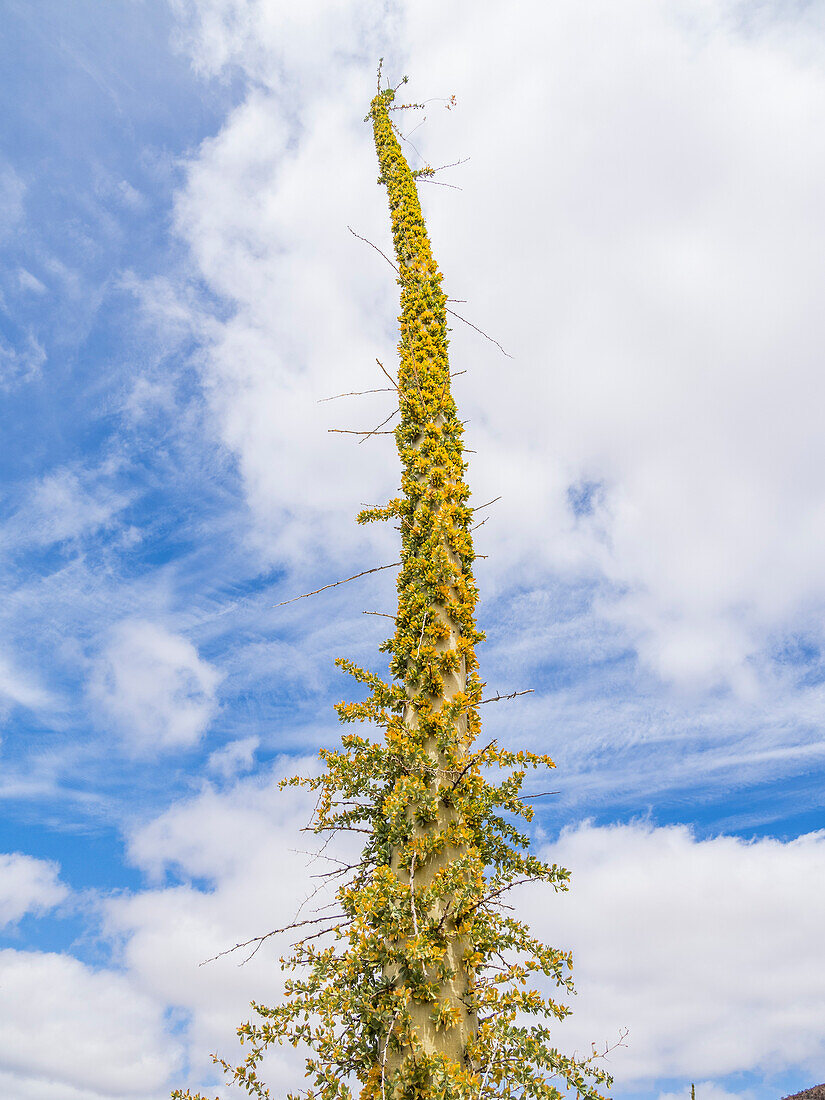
(63, 505)
(709, 951)
(21, 688)
(234, 758)
(247, 843)
(28, 885)
(30, 282)
(21, 361)
(69, 1031)
(639, 224)
(292, 339)
(154, 688)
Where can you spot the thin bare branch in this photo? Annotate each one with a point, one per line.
(346, 580)
(481, 332)
(495, 893)
(354, 393)
(487, 505)
(544, 794)
(260, 939)
(440, 183)
(454, 164)
(610, 1047)
(384, 369)
(375, 246)
(320, 855)
(421, 123)
(351, 431)
(375, 431)
(499, 698)
(316, 935)
(382, 614)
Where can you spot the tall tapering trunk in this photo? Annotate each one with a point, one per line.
(433, 647)
(414, 983)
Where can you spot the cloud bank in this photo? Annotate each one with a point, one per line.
(639, 225)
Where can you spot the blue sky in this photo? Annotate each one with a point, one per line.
(639, 223)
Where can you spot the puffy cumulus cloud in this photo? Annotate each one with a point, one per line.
(154, 688)
(639, 225)
(234, 758)
(709, 951)
(28, 885)
(293, 338)
(69, 1031)
(247, 844)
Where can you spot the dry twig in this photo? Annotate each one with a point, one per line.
(375, 246)
(481, 332)
(354, 577)
(354, 393)
(499, 698)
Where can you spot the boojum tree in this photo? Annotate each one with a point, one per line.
(420, 984)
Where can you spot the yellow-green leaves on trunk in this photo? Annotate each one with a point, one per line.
(416, 983)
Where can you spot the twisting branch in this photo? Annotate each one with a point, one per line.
(421, 639)
(386, 1048)
(489, 1066)
(476, 756)
(412, 894)
(346, 580)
